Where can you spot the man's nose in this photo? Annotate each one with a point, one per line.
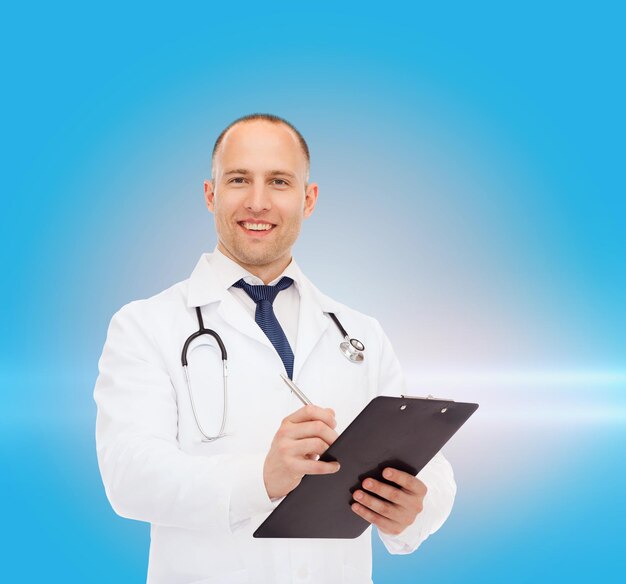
(258, 199)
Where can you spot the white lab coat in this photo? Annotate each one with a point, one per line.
(204, 500)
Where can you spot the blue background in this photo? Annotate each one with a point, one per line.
(470, 159)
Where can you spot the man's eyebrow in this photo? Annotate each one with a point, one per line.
(245, 171)
(281, 173)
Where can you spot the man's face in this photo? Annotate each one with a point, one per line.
(259, 194)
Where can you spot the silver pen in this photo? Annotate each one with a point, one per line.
(295, 389)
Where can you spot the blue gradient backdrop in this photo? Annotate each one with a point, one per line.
(471, 165)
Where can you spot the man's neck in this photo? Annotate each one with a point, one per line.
(267, 272)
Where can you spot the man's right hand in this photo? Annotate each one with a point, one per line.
(301, 438)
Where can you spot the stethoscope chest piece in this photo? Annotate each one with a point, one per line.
(353, 350)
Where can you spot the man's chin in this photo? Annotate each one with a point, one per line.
(256, 257)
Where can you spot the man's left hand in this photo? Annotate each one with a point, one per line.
(401, 504)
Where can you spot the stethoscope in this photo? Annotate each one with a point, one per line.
(351, 348)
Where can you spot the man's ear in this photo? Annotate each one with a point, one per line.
(209, 195)
(310, 199)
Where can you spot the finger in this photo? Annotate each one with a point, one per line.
(313, 429)
(313, 412)
(383, 508)
(314, 467)
(407, 481)
(383, 523)
(394, 495)
(308, 446)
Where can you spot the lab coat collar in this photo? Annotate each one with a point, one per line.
(215, 273)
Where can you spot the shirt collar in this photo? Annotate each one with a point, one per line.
(215, 273)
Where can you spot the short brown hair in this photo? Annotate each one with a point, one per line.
(267, 118)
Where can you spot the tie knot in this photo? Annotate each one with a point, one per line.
(259, 293)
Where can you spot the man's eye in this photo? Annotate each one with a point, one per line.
(280, 181)
(237, 180)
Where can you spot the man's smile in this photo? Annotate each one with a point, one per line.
(256, 227)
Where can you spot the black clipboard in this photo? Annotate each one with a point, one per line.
(401, 432)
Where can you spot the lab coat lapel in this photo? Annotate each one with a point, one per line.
(236, 316)
(312, 324)
(205, 288)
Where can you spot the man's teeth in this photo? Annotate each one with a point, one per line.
(257, 226)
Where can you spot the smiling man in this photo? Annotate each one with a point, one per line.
(204, 448)
(260, 170)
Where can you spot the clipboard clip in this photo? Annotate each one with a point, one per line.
(432, 397)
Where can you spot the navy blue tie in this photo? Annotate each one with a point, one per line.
(264, 316)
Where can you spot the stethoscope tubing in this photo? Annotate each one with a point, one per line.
(205, 331)
(351, 348)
